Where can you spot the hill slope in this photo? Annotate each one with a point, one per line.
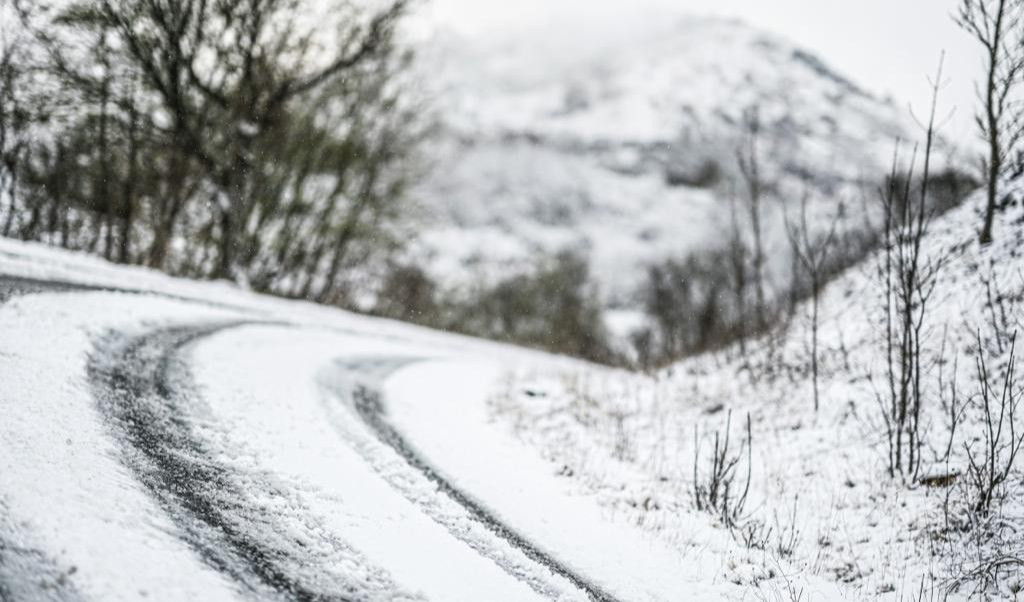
(624, 147)
(821, 502)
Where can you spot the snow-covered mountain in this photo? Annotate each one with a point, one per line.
(621, 145)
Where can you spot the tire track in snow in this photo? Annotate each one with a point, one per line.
(27, 572)
(269, 545)
(369, 406)
(142, 387)
(139, 387)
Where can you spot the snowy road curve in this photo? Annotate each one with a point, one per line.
(177, 445)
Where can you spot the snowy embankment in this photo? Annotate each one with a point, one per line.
(181, 440)
(821, 501)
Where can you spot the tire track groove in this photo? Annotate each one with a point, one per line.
(142, 387)
(368, 403)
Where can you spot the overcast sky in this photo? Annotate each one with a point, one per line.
(888, 46)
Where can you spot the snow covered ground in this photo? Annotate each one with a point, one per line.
(175, 440)
(821, 503)
(179, 440)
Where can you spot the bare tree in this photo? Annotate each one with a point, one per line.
(226, 125)
(908, 278)
(997, 26)
(226, 115)
(812, 253)
(748, 159)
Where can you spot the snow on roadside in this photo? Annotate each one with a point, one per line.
(821, 502)
(61, 479)
(451, 428)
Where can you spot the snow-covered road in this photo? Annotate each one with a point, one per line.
(194, 442)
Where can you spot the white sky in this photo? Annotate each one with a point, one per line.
(887, 46)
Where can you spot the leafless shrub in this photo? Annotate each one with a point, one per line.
(1001, 325)
(990, 467)
(812, 254)
(622, 449)
(984, 543)
(908, 278)
(949, 395)
(723, 491)
(753, 534)
(783, 589)
(925, 592)
(985, 575)
(780, 538)
(788, 533)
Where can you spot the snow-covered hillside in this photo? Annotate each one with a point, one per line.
(821, 502)
(621, 143)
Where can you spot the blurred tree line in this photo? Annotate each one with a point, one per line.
(262, 141)
(270, 142)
